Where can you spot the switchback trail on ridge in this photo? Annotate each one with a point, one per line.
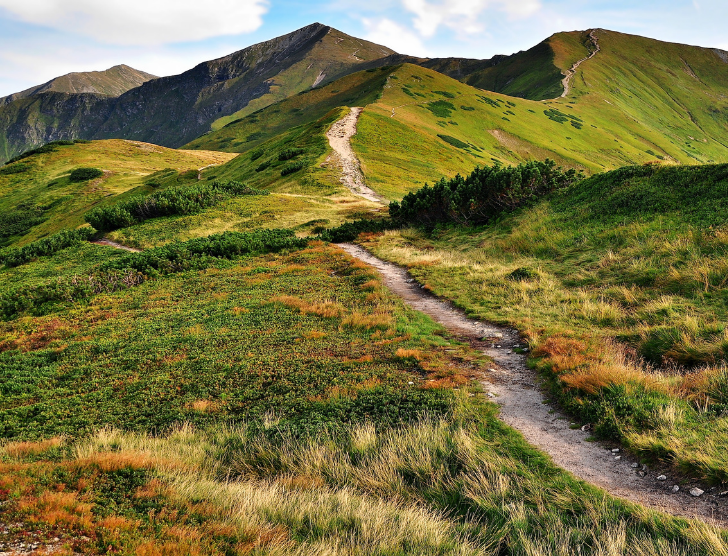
(339, 137)
(514, 387)
(566, 81)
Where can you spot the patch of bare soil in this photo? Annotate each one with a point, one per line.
(515, 388)
(339, 137)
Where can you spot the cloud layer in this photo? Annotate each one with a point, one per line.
(142, 22)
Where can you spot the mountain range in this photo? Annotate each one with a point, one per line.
(653, 99)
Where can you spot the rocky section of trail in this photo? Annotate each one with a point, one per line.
(339, 137)
(523, 406)
(566, 81)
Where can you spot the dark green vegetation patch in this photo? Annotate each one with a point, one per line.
(169, 202)
(483, 195)
(85, 174)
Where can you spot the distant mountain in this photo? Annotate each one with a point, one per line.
(112, 82)
(172, 111)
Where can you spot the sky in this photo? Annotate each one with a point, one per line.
(43, 39)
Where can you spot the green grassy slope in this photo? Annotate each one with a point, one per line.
(282, 403)
(42, 196)
(636, 101)
(531, 74)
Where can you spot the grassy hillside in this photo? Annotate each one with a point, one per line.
(318, 411)
(619, 283)
(37, 196)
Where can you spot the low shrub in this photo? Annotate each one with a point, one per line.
(292, 167)
(288, 154)
(17, 168)
(351, 230)
(169, 202)
(482, 196)
(85, 174)
(441, 108)
(46, 246)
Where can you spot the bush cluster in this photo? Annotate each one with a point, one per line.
(44, 247)
(135, 268)
(15, 169)
(169, 202)
(198, 253)
(292, 167)
(482, 196)
(351, 230)
(288, 154)
(85, 174)
(17, 222)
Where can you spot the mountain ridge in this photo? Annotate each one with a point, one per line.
(112, 82)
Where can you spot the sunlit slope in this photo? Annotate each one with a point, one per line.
(40, 198)
(637, 100)
(672, 95)
(333, 55)
(243, 134)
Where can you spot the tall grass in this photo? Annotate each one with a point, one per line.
(435, 487)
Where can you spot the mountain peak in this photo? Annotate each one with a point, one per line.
(112, 82)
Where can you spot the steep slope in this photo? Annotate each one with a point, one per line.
(111, 82)
(173, 110)
(419, 125)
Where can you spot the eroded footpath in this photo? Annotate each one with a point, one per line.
(514, 387)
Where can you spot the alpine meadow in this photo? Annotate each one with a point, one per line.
(317, 297)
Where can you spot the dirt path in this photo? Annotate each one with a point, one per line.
(199, 172)
(339, 137)
(109, 243)
(514, 387)
(566, 81)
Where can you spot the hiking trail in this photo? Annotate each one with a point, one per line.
(566, 81)
(108, 243)
(514, 387)
(339, 137)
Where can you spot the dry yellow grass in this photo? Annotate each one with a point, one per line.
(327, 309)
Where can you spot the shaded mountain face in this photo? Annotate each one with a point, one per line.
(172, 111)
(112, 82)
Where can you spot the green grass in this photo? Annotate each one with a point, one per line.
(78, 367)
(43, 200)
(620, 285)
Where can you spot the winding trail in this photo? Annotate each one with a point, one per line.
(522, 405)
(566, 81)
(339, 137)
(108, 243)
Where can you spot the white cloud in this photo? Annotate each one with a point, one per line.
(142, 22)
(388, 33)
(463, 15)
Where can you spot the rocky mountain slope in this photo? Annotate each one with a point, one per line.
(112, 82)
(174, 110)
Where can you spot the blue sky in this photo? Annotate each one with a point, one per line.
(41, 39)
